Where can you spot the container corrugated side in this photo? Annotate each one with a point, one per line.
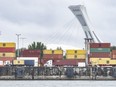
(114, 56)
(7, 58)
(30, 53)
(7, 44)
(101, 61)
(99, 49)
(70, 56)
(97, 59)
(100, 45)
(112, 62)
(18, 62)
(81, 52)
(8, 49)
(7, 54)
(113, 51)
(70, 62)
(100, 54)
(104, 62)
(47, 56)
(47, 52)
(58, 52)
(57, 56)
(71, 52)
(80, 56)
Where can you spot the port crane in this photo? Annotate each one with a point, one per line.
(80, 13)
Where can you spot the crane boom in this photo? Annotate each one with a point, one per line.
(80, 12)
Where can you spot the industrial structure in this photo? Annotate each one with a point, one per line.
(80, 12)
(97, 59)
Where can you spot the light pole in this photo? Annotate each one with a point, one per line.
(22, 38)
(18, 44)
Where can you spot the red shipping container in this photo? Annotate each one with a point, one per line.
(47, 56)
(81, 60)
(10, 49)
(69, 62)
(53, 56)
(113, 52)
(100, 45)
(7, 59)
(113, 56)
(30, 53)
(100, 55)
(57, 56)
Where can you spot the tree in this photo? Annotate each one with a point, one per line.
(59, 48)
(37, 46)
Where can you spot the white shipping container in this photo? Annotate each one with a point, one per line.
(1, 63)
(81, 64)
(30, 58)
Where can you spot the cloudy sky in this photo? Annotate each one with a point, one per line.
(51, 22)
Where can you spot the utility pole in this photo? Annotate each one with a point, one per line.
(18, 44)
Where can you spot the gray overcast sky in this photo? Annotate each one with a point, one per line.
(51, 22)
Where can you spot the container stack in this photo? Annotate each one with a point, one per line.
(78, 55)
(52, 54)
(75, 54)
(81, 54)
(57, 54)
(47, 54)
(99, 53)
(7, 53)
(70, 54)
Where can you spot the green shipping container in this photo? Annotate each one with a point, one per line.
(99, 49)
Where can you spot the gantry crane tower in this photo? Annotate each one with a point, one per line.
(80, 12)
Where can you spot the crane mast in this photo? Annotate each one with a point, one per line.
(80, 13)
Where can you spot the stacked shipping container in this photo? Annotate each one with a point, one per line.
(113, 54)
(78, 55)
(7, 52)
(52, 54)
(30, 53)
(75, 54)
(69, 62)
(100, 53)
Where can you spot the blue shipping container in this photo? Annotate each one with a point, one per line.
(29, 62)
